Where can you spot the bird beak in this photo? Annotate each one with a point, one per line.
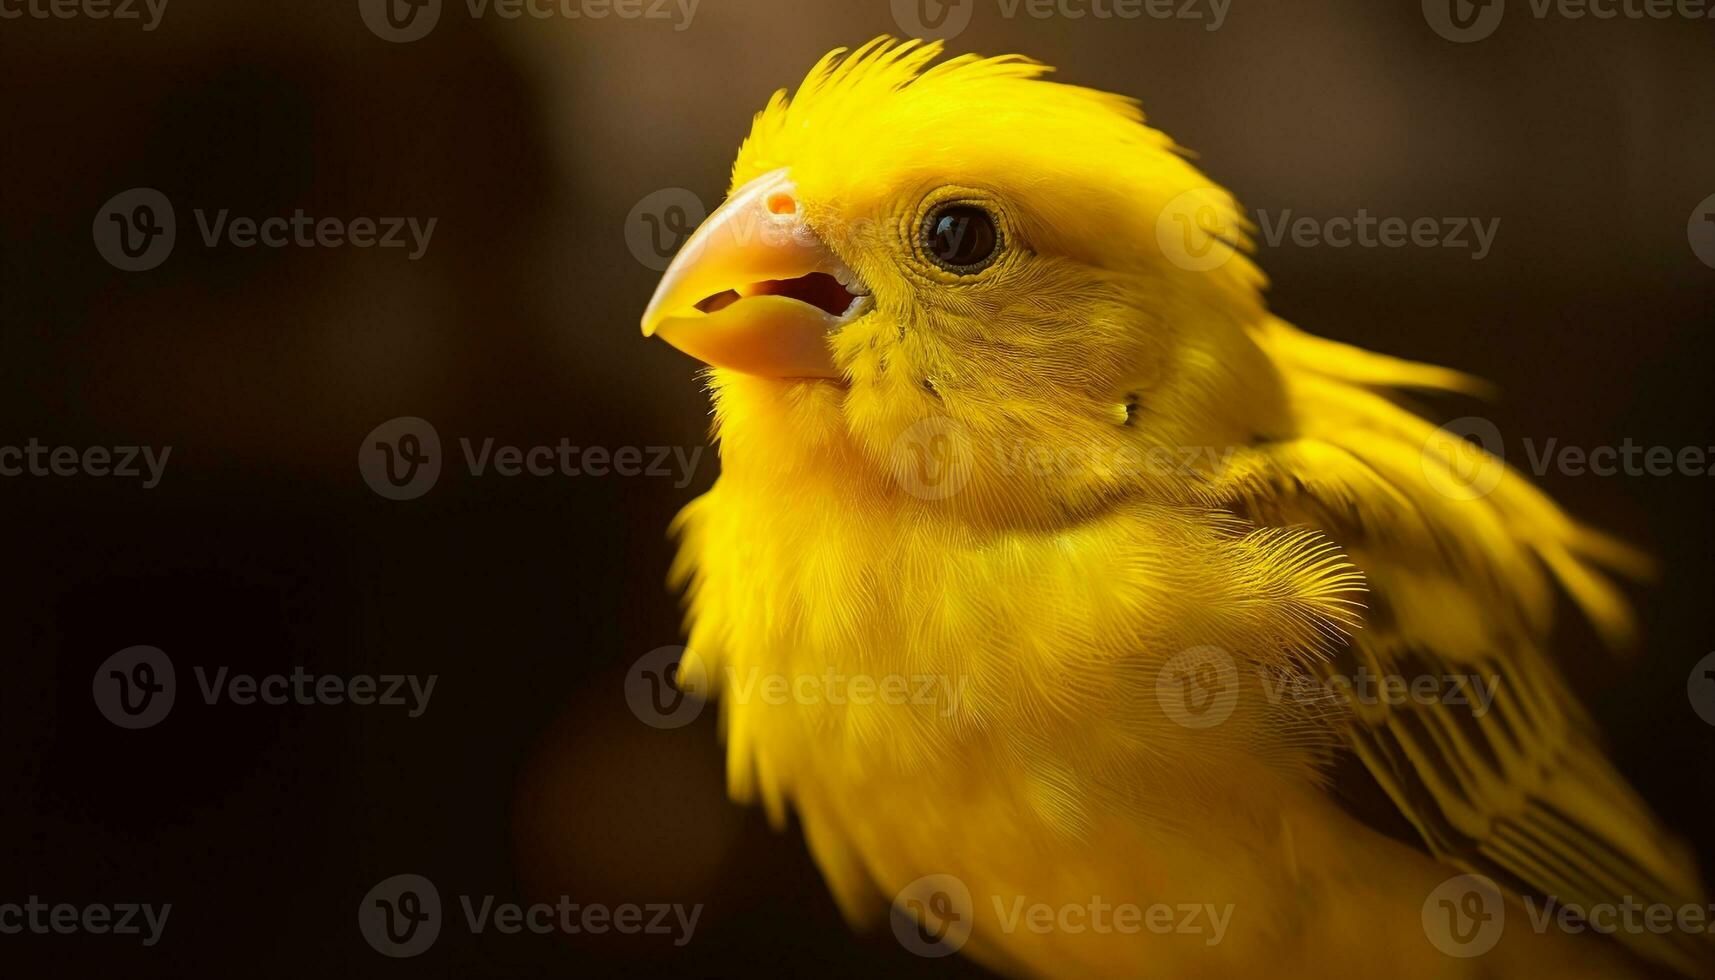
(755, 290)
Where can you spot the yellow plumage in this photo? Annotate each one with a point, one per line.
(1029, 492)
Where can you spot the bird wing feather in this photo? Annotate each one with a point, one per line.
(1464, 585)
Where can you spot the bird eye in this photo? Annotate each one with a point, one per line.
(961, 238)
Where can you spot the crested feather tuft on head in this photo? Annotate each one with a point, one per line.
(864, 115)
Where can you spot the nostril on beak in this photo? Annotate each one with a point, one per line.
(782, 203)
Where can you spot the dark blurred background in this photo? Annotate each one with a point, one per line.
(537, 144)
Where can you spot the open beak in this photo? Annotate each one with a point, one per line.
(755, 290)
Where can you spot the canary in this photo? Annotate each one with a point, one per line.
(1094, 621)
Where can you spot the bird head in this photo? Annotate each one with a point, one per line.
(966, 264)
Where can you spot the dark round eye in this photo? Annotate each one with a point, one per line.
(961, 238)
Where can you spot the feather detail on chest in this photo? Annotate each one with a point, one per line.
(855, 630)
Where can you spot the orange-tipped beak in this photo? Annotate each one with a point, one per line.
(755, 290)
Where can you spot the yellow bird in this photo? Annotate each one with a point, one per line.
(1072, 601)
